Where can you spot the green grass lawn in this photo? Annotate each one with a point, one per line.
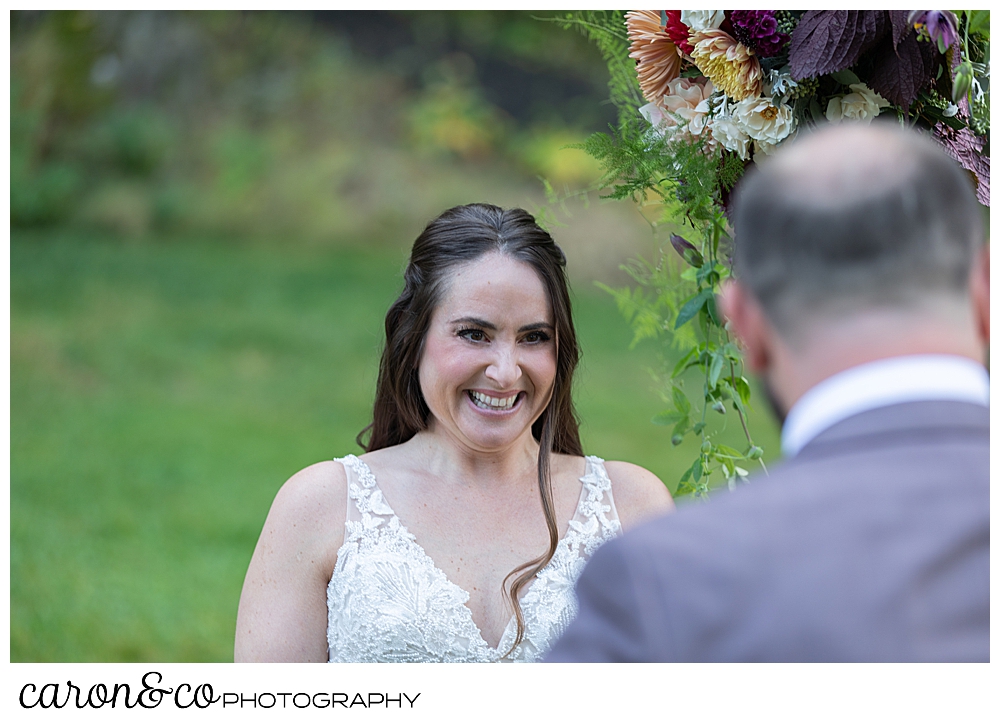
(162, 391)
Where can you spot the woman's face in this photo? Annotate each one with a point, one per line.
(489, 357)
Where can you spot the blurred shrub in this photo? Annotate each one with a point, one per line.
(452, 116)
(43, 195)
(41, 191)
(545, 152)
(171, 204)
(240, 159)
(133, 141)
(121, 207)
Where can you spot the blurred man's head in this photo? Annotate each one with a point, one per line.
(856, 243)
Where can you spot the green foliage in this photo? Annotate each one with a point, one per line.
(730, 170)
(136, 140)
(686, 178)
(629, 160)
(41, 190)
(606, 29)
(977, 22)
(44, 195)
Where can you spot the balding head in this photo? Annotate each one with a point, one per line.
(853, 217)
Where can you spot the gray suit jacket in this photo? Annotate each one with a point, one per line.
(872, 544)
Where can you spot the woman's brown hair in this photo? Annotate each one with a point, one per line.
(458, 236)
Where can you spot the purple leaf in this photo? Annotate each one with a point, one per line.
(898, 75)
(901, 25)
(882, 21)
(852, 41)
(826, 41)
(967, 148)
(812, 39)
(872, 25)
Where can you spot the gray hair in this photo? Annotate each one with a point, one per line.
(853, 217)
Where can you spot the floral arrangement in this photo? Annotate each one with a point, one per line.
(747, 80)
(703, 94)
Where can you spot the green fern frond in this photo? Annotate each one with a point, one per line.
(631, 160)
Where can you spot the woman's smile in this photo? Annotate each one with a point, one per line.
(496, 402)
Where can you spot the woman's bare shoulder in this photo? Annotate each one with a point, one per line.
(638, 493)
(312, 504)
(282, 611)
(315, 481)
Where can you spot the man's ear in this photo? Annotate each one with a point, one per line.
(979, 290)
(748, 323)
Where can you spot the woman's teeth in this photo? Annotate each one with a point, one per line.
(486, 402)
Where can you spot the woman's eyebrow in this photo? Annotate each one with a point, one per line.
(536, 326)
(492, 327)
(473, 320)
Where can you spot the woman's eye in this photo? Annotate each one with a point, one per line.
(536, 337)
(472, 334)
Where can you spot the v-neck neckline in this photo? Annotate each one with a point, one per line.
(411, 538)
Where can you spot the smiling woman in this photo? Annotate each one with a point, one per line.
(489, 361)
(459, 534)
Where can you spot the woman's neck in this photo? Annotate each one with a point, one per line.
(453, 462)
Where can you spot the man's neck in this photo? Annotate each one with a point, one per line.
(842, 344)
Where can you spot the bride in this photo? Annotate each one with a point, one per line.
(459, 534)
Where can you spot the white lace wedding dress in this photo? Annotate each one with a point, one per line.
(388, 602)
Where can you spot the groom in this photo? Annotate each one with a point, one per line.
(862, 302)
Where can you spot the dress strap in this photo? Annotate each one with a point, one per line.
(596, 519)
(598, 485)
(364, 498)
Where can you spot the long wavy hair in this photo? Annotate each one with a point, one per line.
(458, 236)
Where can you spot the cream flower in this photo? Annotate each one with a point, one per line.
(862, 105)
(765, 122)
(686, 104)
(731, 66)
(658, 61)
(731, 136)
(702, 19)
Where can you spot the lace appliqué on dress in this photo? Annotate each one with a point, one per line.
(388, 602)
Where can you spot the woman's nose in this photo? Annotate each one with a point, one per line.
(504, 369)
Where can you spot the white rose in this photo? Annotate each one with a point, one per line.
(862, 105)
(763, 121)
(731, 136)
(698, 20)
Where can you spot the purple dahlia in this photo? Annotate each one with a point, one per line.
(758, 30)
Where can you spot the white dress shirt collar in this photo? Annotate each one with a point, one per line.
(916, 378)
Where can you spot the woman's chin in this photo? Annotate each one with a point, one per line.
(491, 436)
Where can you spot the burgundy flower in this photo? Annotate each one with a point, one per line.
(679, 32)
(758, 30)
